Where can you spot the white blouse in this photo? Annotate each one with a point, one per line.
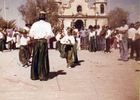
(91, 34)
(108, 34)
(24, 40)
(64, 40)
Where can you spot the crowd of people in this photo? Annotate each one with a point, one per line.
(97, 38)
(10, 37)
(34, 41)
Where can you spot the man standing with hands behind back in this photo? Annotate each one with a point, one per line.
(40, 31)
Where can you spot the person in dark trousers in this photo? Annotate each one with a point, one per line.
(92, 33)
(98, 38)
(103, 41)
(107, 37)
(41, 32)
(23, 51)
(136, 41)
(131, 34)
(5, 37)
(75, 35)
(68, 41)
(1, 40)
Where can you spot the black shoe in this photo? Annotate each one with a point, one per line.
(75, 62)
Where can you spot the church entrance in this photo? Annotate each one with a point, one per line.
(78, 24)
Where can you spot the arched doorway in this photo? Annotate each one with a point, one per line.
(78, 24)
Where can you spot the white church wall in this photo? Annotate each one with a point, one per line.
(98, 9)
(67, 23)
(100, 0)
(90, 22)
(83, 4)
(85, 11)
(102, 22)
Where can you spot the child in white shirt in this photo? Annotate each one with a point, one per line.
(23, 52)
(69, 41)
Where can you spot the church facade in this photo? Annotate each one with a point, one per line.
(82, 14)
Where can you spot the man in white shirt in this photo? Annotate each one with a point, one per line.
(136, 41)
(41, 32)
(123, 41)
(131, 34)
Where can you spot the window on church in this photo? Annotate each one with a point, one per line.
(102, 8)
(79, 9)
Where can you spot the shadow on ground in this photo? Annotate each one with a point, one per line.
(55, 74)
(77, 64)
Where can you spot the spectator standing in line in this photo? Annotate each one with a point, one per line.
(1, 40)
(107, 37)
(10, 41)
(5, 37)
(131, 35)
(83, 38)
(88, 38)
(98, 38)
(136, 41)
(103, 41)
(92, 39)
(78, 40)
(123, 41)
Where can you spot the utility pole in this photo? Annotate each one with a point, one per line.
(4, 2)
(4, 10)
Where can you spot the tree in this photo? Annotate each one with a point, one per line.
(30, 10)
(116, 17)
(8, 24)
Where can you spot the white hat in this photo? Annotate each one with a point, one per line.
(42, 12)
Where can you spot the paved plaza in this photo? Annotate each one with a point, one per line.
(99, 77)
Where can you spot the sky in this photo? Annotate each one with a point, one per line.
(133, 6)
